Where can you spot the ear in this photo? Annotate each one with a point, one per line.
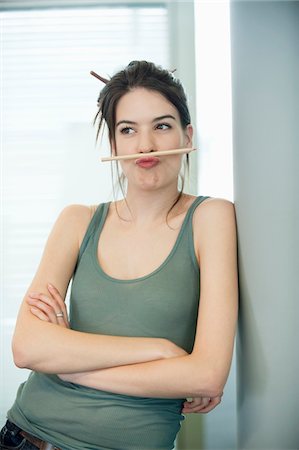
(188, 136)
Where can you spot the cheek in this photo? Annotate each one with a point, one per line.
(126, 167)
(178, 141)
(173, 164)
(124, 146)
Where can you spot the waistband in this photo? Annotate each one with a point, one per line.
(38, 443)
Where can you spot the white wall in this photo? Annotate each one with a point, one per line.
(215, 167)
(265, 50)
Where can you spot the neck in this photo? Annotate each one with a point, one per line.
(148, 206)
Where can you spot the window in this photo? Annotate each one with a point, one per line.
(48, 141)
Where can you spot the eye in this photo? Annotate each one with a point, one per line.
(126, 130)
(163, 126)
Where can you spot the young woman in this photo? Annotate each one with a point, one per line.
(153, 304)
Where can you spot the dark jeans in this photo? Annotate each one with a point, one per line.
(11, 439)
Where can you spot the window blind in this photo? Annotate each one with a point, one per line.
(48, 98)
(48, 142)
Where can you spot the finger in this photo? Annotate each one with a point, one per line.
(52, 309)
(49, 300)
(61, 306)
(213, 403)
(39, 314)
(190, 406)
(205, 402)
(197, 405)
(198, 402)
(194, 409)
(201, 404)
(44, 304)
(47, 311)
(42, 298)
(194, 401)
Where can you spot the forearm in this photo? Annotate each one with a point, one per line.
(49, 348)
(178, 377)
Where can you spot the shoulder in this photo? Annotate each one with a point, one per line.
(79, 214)
(213, 209)
(214, 223)
(75, 219)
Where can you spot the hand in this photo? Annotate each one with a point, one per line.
(201, 405)
(49, 307)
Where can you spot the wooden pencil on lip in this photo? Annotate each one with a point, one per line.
(144, 155)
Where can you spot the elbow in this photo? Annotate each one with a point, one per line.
(19, 359)
(21, 363)
(26, 355)
(215, 384)
(210, 385)
(215, 390)
(209, 390)
(21, 356)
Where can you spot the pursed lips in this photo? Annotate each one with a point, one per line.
(147, 161)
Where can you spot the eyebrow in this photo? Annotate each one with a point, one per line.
(166, 116)
(156, 119)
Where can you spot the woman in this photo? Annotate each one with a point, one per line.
(153, 304)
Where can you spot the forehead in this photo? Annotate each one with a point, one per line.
(142, 103)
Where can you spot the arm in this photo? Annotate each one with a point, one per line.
(46, 347)
(47, 308)
(204, 372)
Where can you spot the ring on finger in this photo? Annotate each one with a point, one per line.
(60, 314)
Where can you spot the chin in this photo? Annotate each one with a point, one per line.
(148, 182)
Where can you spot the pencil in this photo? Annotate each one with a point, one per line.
(144, 155)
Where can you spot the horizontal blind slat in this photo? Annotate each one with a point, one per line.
(49, 101)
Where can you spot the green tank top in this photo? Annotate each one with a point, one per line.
(161, 304)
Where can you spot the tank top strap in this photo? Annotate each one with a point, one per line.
(195, 204)
(189, 216)
(93, 226)
(185, 238)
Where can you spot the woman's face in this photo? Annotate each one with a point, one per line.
(147, 122)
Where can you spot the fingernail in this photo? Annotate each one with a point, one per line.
(50, 286)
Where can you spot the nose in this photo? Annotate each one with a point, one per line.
(146, 143)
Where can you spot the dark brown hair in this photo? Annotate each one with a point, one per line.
(146, 75)
(140, 74)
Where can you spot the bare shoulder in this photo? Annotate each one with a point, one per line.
(214, 209)
(214, 224)
(76, 218)
(62, 248)
(77, 212)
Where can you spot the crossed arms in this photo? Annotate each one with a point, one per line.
(150, 367)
